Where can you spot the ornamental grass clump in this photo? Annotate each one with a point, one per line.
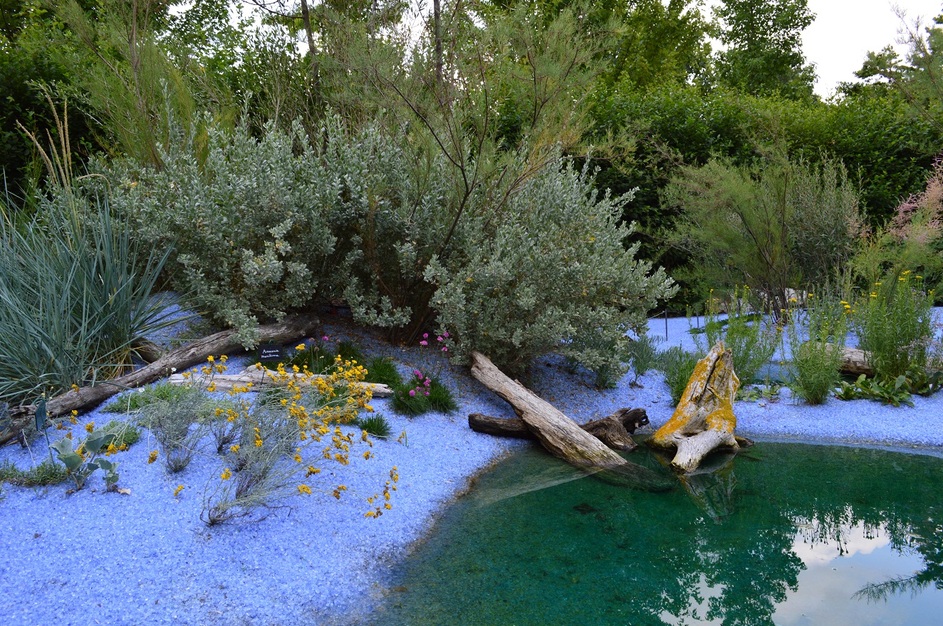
(76, 290)
(751, 338)
(894, 324)
(677, 364)
(817, 352)
(422, 393)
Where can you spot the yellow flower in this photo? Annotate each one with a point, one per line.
(387, 506)
(178, 490)
(297, 458)
(73, 417)
(111, 449)
(234, 448)
(304, 489)
(312, 470)
(211, 387)
(300, 348)
(226, 475)
(210, 359)
(90, 427)
(74, 387)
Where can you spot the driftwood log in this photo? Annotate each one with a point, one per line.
(260, 378)
(560, 435)
(219, 343)
(614, 430)
(703, 420)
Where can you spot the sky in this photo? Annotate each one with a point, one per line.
(845, 30)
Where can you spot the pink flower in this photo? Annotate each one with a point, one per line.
(446, 334)
(325, 338)
(425, 335)
(445, 348)
(423, 343)
(412, 393)
(417, 373)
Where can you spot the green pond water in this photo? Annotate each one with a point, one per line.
(781, 534)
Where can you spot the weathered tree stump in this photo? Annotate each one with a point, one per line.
(613, 430)
(219, 343)
(703, 420)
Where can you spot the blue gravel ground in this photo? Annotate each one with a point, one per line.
(97, 557)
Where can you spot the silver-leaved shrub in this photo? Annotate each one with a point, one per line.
(548, 273)
(248, 220)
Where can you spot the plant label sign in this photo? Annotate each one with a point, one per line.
(270, 352)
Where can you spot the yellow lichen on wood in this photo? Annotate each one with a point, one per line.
(706, 406)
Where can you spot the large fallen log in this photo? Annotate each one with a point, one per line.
(560, 435)
(613, 430)
(219, 343)
(260, 378)
(703, 420)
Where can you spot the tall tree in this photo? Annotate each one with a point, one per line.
(763, 40)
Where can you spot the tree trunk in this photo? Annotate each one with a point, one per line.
(560, 435)
(260, 379)
(220, 343)
(704, 419)
(613, 430)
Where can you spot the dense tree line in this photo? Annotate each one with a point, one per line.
(633, 86)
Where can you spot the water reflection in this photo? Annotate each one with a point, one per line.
(787, 535)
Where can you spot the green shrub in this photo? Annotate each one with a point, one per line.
(375, 424)
(248, 220)
(678, 365)
(176, 425)
(548, 273)
(751, 339)
(894, 324)
(817, 356)
(773, 227)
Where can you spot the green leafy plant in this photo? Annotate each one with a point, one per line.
(771, 226)
(83, 460)
(678, 365)
(817, 356)
(751, 339)
(894, 324)
(889, 391)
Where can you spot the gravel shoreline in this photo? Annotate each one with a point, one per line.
(93, 557)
